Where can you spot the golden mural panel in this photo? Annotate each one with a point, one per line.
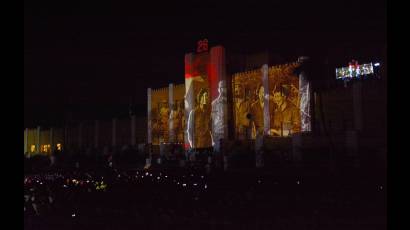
(285, 118)
(159, 116)
(199, 117)
(249, 97)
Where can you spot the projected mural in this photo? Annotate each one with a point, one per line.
(159, 116)
(199, 121)
(198, 101)
(247, 114)
(166, 118)
(270, 105)
(269, 101)
(205, 98)
(219, 114)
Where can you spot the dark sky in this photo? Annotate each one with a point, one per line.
(95, 58)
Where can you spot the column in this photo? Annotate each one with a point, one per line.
(171, 136)
(149, 137)
(96, 133)
(189, 96)
(266, 112)
(219, 87)
(305, 91)
(114, 132)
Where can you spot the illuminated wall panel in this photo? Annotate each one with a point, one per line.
(198, 101)
(284, 84)
(159, 115)
(219, 106)
(177, 115)
(267, 101)
(248, 104)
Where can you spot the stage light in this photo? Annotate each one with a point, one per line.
(184, 185)
(206, 186)
(195, 184)
(73, 215)
(297, 182)
(376, 64)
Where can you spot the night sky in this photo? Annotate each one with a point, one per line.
(95, 59)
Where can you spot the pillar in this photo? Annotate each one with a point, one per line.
(266, 112)
(189, 95)
(219, 87)
(305, 91)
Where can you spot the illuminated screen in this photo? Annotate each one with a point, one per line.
(354, 71)
(269, 108)
(198, 101)
(167, 115)
(177, 115)
(159, 116)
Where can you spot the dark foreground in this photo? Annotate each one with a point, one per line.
(187, 199)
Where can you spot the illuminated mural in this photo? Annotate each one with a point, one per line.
(205, 98)
(270, 101)
(159, 116)
(197, 101)
(177, 123)
(199, 121)
(219, 114)
(245, 98)
(166, 114)
(284, 83)
(270, 105)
